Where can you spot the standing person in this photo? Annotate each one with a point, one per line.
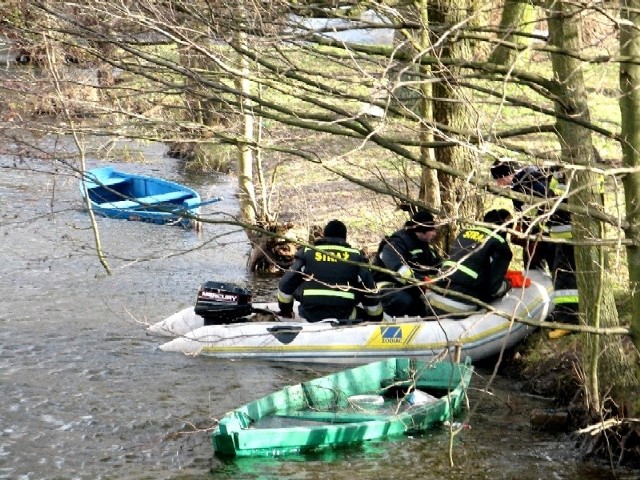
(565, 283)
(559, 257)
(533, 182)
(477, 265)
(329, 280)
(409, 254)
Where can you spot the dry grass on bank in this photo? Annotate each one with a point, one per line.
(309, 193)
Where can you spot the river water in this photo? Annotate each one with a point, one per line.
(85, 394)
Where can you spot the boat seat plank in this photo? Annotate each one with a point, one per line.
(151, 199)
(120, 204)
(106, 182)
(334, 417)
(164, 197)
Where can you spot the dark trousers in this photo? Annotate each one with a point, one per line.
(536, 255)
(564, 278)
(317, 313)
(401, 301)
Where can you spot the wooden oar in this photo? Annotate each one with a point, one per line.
(180, 208)
(207, 202)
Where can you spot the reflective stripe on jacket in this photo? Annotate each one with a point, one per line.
(565, 296)
(329, 280)
(560, 231)
(478, 262)
(402, 252)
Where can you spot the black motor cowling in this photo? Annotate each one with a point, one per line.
(220, 303)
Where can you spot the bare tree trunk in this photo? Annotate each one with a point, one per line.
(629, 107)
(248, 205)
(517, 16)
(429, 187)
(603, 361)
(453, 110)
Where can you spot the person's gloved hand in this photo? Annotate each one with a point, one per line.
(405, 273)
(516, 279)
(425, 281)
(290, 314)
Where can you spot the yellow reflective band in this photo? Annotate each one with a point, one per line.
(556, 187)
(283, 297)
(416, 251)
(565, 300)
(565, 295)
(385, 284)
(377, 310)
(328, 293)
(337, 248)
(491, 233)
(405, 272)
(450, 263)
(565, 235)
(561, 231)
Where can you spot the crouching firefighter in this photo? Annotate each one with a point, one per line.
(408, 254)
(330, 281)
(476, 268)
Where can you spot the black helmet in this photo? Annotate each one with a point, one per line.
(422, 221)
(335, 229)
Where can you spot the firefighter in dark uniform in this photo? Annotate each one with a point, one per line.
(565, 296)
(559, 257)
(565, 282)
(408, 254)
(326, 282)
(476, 267)
(533, 182)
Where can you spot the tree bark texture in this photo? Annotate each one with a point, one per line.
(429, 187)
(603, 360)
(517, 16)
(452, 109)
(630, 111)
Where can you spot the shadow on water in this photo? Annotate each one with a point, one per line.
(86, 394)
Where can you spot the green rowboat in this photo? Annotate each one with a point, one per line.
(374, 401)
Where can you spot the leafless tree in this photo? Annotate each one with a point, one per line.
(417, 120)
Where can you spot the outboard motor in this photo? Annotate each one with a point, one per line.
(220, 303)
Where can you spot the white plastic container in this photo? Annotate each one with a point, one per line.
(418, 397)
(366, 401)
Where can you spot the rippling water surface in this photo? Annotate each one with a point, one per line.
(86, 395)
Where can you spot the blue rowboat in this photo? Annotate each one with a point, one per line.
(116, 194)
